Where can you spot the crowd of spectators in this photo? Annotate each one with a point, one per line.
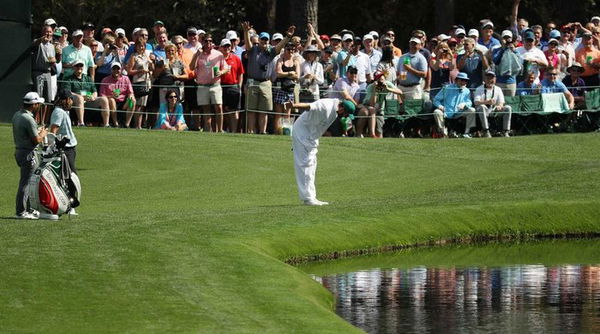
(242, 83)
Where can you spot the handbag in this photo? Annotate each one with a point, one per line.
(140, 89)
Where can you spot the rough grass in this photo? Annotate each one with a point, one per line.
(188, 232)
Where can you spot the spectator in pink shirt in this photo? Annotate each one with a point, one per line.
(209, 65)
(119, 92)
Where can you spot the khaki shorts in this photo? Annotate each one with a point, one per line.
(207, 95)
(259, 96)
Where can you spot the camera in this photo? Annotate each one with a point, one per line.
(112, 47)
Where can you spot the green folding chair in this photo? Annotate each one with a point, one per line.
(592, 100)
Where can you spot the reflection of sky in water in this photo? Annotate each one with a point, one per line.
(514, 299)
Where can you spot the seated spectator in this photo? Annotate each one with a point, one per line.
(85, 94)
(170, 114)
(551, 84)
(489, 99)
(119, 92)
(454, 101)
(345, 88)
(374, 105)
(575, 84)
(311, 75)
(529, 86)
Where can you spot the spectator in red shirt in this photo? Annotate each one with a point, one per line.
(119, 92)
(231, 83)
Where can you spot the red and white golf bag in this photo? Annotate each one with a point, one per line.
(53, 188)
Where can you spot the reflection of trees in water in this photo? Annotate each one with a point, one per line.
(531, 298)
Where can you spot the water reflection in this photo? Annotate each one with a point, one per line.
(515, 299)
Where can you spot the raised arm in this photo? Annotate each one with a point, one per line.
(246, 29)
(289, 33)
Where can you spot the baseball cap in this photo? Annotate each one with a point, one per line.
(529, 35)
(507, 33)
(231, 34)
(595, 18)
(264, 35)
(490, 73)
(115, 63)
(324, 37)
(49, 22)
(277, 36)
(78, 62)
(347, 37)
(459, 31)
(120, 31)
(64, 94)
(57, 32)
(201, 32)
(192, 31)
(357, 40)
(336, 36)
(377, 75)
(32, 98)
(374, 33)
(88, 25)
(311, 48)
(136, 30)
(77, 32)
(473, 32)
(63, 28)
(553, 40)
(106, 30)
(348, 106)
(328, 50)
(487, 24)
(554, 33)
(225, 41)
(158, 23)
(443, 37)
(415, 40)
(367, 36)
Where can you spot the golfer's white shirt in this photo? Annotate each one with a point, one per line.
(311, 125)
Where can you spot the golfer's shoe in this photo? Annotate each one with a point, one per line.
(72, 212)
(48, 216)
(315, 202)
(26, 215)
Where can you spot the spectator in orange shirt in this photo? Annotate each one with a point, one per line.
(589, 57)
(392, 37)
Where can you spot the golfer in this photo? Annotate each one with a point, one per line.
(306, 132)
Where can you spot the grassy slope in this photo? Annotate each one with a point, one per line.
(187, 231)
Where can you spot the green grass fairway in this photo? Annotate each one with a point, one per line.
(188, 232)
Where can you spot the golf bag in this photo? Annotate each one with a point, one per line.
(53, 188)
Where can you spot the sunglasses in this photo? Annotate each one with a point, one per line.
(144, 35)
(264, 39)
(208, 41)
(173, 96)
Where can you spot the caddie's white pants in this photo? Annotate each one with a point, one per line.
(305, 164)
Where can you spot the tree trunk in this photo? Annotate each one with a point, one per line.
(302, 12)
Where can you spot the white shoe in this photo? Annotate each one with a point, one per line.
(26, 215)
(321, 202)
(48, 216)
(314, 202)
(72, 212)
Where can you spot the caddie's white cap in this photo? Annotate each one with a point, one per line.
(231, 34)
(32, 98)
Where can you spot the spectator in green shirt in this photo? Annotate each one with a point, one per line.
(374, 105)
(85, 94)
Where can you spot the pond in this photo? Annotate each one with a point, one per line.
(538, 287)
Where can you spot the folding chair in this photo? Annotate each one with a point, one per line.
(530, 104)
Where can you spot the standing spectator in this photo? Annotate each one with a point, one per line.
(89, 31)
(553, 56)
(157, 28)
(311, 76)
(85, 94)
(26, 136)
(63, 41)
(162, 39)
(343, 54)
(472, 62)
(236, 49)
(326, 41)
(454, 101)
(487, 35)
(391, 35)
(388, 63)
(119, 92)
(170, 74)
(122, 45)
(566, 47)
(60, 124)
(534, 59)
(232, 85)
(538, 32)
(105, 59)
(329, 69)
(412, 69)
(441, 66)
(77, 52)
(170, 114)
(589, 57)
(193, 43)
(288, 74)
(489, 99)
(140, 35)
(209, 65)
(44, 68)
(369, 50)
(474, 34)
(361, 61)
(259, 96)
(501, 57)
(140, 67)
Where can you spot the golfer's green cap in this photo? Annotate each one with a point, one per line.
(349, 106)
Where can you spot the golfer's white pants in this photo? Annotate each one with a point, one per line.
(468, 113)
(305, 164)
(484, 112)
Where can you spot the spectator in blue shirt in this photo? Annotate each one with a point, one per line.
(454, 101)
(528, 86)
(472, 62)
(551, 84)
(487, 39)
